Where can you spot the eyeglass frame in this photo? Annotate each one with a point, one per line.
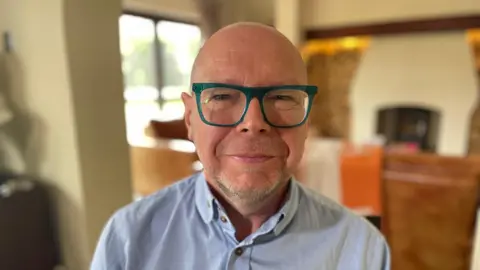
(258, 92)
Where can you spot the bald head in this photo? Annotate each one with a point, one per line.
(249, 54)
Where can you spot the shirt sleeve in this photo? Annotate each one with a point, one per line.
(378, 253)
(109, 253)
(386, 258)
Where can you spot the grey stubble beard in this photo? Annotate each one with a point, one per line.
(249, 197)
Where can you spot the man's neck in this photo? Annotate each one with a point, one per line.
(248, 218)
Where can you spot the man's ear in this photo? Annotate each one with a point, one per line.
(309, 128)
(189, 104)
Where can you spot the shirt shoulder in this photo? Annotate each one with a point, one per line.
(127, 223)
(327, 209)
(354, 233)
(161, 203)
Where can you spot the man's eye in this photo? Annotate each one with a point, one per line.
(283, 97)
(220, 97)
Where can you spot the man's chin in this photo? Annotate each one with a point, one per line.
(247, 191)
(248, 197)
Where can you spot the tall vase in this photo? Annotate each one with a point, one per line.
(474, 131)
(333, 74)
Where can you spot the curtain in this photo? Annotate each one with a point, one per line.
(210, 16)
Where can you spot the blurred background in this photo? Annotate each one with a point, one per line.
(91, 117)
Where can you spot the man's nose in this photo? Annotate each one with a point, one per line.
(253, 121)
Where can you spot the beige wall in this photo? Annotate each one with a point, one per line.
(65, 73)
(322, 13)
(93, 49)
(415, 69)
(249, 10)
(287, 20)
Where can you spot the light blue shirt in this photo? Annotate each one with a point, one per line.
(184, 227)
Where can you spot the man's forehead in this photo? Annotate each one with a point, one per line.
(249, 54)
(248, 69)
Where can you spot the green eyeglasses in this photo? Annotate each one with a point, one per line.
(225, 105)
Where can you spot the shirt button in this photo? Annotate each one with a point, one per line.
(223, 219)
(239, 251)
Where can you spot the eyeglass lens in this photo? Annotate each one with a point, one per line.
(282, 107)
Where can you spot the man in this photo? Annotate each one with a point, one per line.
(247, 116)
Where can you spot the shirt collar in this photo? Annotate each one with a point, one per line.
(204, 199)
(288, 210)
(207, 205)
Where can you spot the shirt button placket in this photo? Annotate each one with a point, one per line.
(223, 219)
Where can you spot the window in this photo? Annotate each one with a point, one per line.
(157, 57)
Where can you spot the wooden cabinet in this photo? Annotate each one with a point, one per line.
(154, 168)
(429, 213)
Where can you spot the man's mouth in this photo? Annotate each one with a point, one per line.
(251, 158)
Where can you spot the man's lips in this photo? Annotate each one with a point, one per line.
(251, 158)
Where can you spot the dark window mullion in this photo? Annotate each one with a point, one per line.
(158, 63)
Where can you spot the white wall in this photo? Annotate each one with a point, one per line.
(436, 70)
(323, 13)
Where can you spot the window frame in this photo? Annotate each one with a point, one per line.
(158, 46)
